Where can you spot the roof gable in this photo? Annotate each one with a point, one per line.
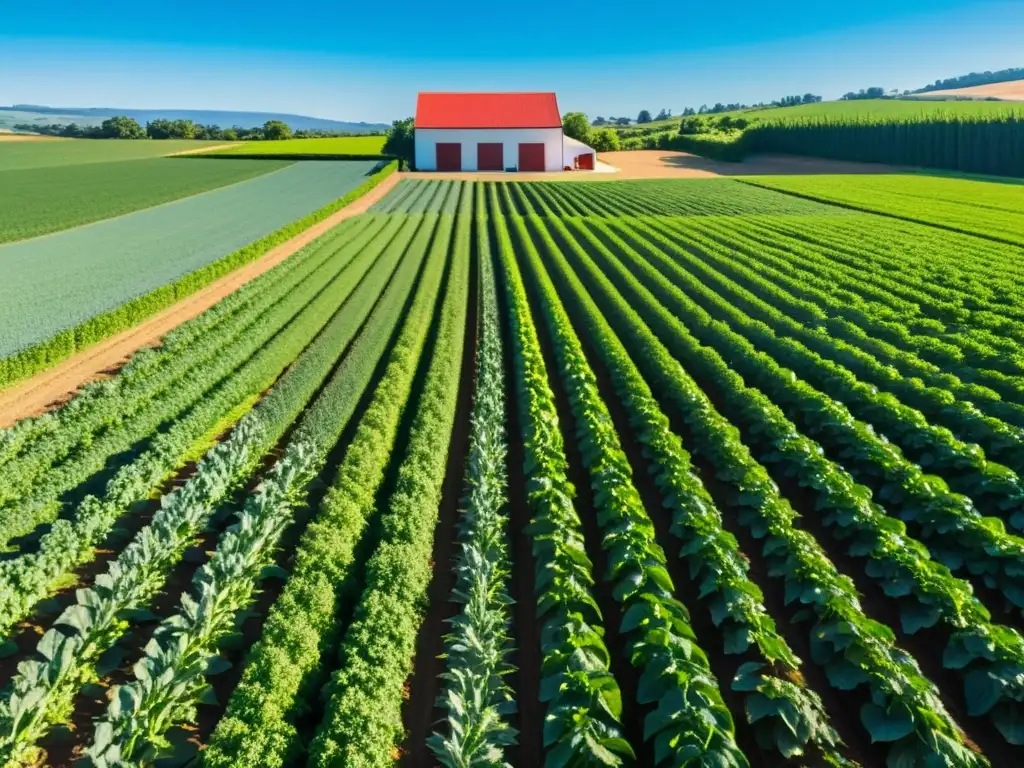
(487, 110)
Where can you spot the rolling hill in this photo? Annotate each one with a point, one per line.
(35, 114)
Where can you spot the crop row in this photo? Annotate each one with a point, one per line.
(171, 678)
(71, 541)
(64, 343)
(152, 385)
(362, 723)
(899, 704)
(44, 690)
(476, 698)
(288, 665)
(583, 700)
(788, 717)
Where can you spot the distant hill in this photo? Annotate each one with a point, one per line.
(35, 113)
(974, 79)
(1003, 91)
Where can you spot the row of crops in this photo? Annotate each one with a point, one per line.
(668, 473)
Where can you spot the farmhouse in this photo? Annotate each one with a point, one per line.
(494, 132)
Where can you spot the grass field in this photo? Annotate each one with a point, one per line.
(57, 282)
(36, 201)
(467, 449)
(19, 155)
(344, 145)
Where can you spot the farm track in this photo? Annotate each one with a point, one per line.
(55, 386)
(670, 466)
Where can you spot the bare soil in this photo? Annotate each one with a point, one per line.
(4, 136)
(201, 150)
(667, 164)
(55, 386)
(1011, 91)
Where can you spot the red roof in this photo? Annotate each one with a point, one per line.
(487, 110)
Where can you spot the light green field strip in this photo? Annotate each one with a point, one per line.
(58, 281)
(342, 145)
(37, 201)
(16, 155)
(992, 209)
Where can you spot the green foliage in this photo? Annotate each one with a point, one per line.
(136, 576)
(476, 695)
(604, 140)
(123, 128)
(44, 354)
(576, 126)
(362, 724)
(400, 141)
(275, 130)
(300, 634)
(584, 704)
(972, 206)
(38, 201)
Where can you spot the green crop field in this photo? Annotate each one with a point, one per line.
(994, 210)
(35, 201)
(865, 109)
(54, 283)
(638, 473)
(342, 145)
(17, 155)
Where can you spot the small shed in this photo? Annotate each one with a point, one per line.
(488, 132)
(577, 155)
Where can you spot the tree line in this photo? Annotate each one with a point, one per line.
(666, 114)
(975, 78)
(123, 127)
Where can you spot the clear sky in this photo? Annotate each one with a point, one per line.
(366, 60)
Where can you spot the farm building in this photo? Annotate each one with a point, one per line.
(494, 132)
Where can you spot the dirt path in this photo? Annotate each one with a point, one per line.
(5, 136)
(55, 386)
(668, 164)
(200, 150)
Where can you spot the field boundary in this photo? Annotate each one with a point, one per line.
(877, 212)
(62, 345)
(54, 384)
(216, 155)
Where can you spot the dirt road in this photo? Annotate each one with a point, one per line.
(50, 388)
(666, 164)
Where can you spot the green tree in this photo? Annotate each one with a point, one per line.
(643, 117)
(401, 141)
(599, 121)
(276, 129)
(229, 134)
(121, 127)
(576, 126)
(604, 140)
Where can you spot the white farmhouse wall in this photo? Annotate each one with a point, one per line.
(428, 138)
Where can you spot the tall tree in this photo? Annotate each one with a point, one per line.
(401, 140)
(575, 125)
(276, 129)
(643, 117)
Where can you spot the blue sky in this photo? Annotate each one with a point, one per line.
(366, 61)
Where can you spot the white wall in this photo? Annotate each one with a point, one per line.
(428, 138)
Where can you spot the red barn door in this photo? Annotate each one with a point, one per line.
(449, 157)
(531, 157)
(490, 157)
